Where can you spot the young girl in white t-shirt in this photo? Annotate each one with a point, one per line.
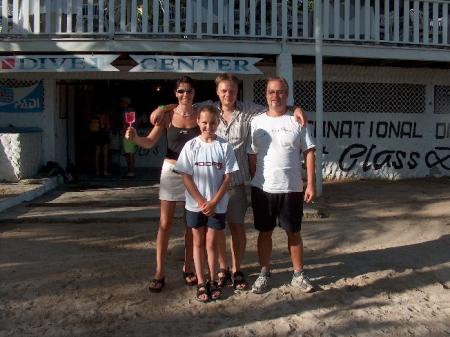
(206, 163)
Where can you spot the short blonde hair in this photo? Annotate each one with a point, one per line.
(226, 77)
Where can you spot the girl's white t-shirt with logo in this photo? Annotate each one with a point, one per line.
(207, 163)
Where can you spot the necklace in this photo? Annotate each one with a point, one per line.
(184, 114)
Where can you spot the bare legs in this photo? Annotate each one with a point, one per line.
(102, 151)
(238, 206)
(205, 237)
(265, 249)
(238, 243)
(130, 163)
(295, 247)
(222, 249)
(97, 159)
(106, 159)
(188, 252)
(162, 239)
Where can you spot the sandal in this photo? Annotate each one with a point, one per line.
(156, 285)
(215, 292)
(224, 280)
(239, 282)
(202, 290)
(190, 278)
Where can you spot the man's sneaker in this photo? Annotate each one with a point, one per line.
(301, 281)
(261, 284)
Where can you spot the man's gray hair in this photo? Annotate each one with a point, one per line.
(279, 79)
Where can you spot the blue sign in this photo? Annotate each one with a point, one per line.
(55, 63)
(195, 64)
(22, 99)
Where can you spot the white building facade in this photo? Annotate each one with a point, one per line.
(386, 74)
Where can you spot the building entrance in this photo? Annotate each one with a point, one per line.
(95, 97)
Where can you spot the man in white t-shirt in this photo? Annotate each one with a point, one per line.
(274, 154)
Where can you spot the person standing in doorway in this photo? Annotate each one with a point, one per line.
(100, 127)
(274, 156)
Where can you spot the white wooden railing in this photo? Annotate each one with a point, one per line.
(419, 22)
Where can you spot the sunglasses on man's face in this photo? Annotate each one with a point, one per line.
(182, 91)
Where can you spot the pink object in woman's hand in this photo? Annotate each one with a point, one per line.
(130, 117)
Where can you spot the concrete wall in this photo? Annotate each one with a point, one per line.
(43, 120)
(20, 155)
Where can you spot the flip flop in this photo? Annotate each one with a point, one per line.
(239, 282)
(215, 292)
(202, 289)
(156, 285)
(190, 278)
(224, 280)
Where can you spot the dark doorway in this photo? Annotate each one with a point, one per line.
(145, 95)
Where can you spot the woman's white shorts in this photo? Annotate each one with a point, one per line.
(171, 187)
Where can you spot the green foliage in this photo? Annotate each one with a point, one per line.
(310, 6)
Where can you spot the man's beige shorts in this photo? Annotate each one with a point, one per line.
(237, 206)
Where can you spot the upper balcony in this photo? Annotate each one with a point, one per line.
(418, 24)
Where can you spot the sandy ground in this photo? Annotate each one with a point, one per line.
(77, 262)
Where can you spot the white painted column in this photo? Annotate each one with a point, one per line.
(48, 121)
(428, 121)
(61, 129)
(286, 70)
(247, 89)
(319, 93)
(71, 115)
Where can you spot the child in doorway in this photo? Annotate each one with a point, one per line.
(206, 163)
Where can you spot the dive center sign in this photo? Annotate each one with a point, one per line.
(145, 63)
(57, 63)
(195, 64)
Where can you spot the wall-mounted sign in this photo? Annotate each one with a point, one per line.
(195, 64)
(28, 98)
(57, 63)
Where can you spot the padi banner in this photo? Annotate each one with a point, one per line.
(57, 63)
(27, 98)
(195, 64)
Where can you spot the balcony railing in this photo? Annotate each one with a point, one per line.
(419, 22)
